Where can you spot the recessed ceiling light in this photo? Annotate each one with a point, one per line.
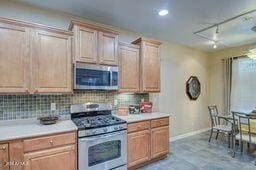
(215, 46)
(163, 12)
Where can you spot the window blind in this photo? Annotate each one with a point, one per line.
(243, 89)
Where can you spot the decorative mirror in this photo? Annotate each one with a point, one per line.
(193, 88)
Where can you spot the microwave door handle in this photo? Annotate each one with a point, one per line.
(74, 77)
(111, 78)
(103, 136)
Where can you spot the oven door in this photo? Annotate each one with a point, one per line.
(103, 152)
(87, 76)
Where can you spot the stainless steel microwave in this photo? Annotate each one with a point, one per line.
(96, 77)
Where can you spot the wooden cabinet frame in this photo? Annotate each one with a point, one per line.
(12, 79)
(65, 83)
(157, 131)
(23, 154)
(150, 73)
(129, 68)
(28, 82)
(99, 55)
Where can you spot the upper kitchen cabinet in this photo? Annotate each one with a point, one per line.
(34, 58)
(51, 62)
(149, 65)
(108, 43)
(85, 44)
(94, 44)
(14, 57)
(129, 68)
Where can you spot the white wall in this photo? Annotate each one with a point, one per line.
(178, 63)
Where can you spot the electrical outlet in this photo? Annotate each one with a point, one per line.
(53, 106)
(142, 100)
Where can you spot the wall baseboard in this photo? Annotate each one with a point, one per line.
(188, 134)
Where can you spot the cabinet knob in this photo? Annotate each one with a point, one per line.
(3, 148)
(51, 142)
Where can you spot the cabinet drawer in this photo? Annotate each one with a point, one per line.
(138, 126)
(4, 156)
(159, 122)
(49, 141)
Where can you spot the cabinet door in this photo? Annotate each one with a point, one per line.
(150, 67)
(108, 48)
(51, 61)
(63, 158)
(138, 147)
(129, 63)
(85, 45)
(159, 141)
(4, 156)
(14, 59)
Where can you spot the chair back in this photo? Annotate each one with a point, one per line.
(243, 120)
(213, 110)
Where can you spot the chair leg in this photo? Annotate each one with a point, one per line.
(241, 146)
(228, 140)
(217, 135)
(233, 146)
(233, 143)
(211, 135)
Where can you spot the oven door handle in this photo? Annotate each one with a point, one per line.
(103, 136)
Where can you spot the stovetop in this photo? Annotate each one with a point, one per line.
(90, 122)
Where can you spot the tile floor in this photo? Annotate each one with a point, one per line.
(193, 153)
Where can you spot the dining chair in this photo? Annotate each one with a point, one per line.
(218, 126)
(244, 134)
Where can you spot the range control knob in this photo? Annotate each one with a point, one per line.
(105, 129)
(120, 127)
(116, 128)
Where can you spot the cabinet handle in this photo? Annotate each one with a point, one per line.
(51, 142)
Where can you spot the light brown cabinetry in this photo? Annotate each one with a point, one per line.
(14, 58)
(149, 65)
(51, 62)
(138, 147)
(94, 44)
(52, 152)
(47, 142)
(159, 141)
(4, 156)
(85, 44)
(147, 141)
(129, 68)
(34, 58)
(61, 158)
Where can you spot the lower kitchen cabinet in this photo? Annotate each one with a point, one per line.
(147, 141)
(159, 141)
(61, 158)
(51, 152)
(138, 147)
(4, 156)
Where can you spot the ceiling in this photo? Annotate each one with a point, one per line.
(184, 18)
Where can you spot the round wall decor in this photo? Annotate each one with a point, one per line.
(193, 88)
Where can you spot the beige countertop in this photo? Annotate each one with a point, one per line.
(144, 116)
(17, 129)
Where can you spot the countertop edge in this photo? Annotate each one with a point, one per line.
(143, 117)
(40, 130)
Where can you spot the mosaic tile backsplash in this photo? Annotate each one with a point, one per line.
(33, 106)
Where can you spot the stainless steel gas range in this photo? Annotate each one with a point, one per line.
(102, 138)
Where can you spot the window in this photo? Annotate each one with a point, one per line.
(243, 90)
